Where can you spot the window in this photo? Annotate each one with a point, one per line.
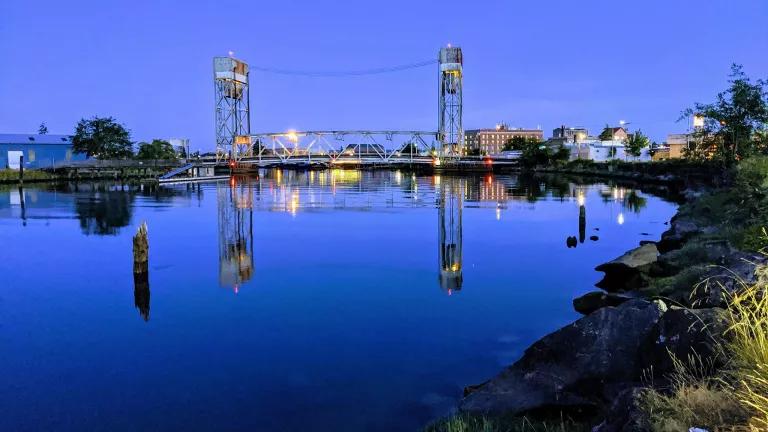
(31, 155)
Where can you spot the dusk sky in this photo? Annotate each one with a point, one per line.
(529, 64)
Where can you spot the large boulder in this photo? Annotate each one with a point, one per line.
(688, 335)
(681, 229)
(574, 369)
(595, 300)
(624, 272)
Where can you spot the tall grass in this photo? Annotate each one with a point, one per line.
(471, 423)
(696, 398)
(748, 312)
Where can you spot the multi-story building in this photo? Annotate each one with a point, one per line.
(570, 134)
(491, 141)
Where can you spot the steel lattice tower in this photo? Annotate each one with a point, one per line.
(233, 117)
(450, 129)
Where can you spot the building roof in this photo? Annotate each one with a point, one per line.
(505, 130)
(47, 139)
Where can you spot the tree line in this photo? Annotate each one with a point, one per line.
(105, 138)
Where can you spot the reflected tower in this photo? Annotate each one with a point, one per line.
(235, 205)
(449, 205)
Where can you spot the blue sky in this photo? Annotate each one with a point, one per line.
(542, 63)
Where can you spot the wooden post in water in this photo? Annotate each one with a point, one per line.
(141, 271)
(582, 223)
(21, 170)
(141, 250)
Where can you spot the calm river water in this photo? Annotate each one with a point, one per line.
(295, 301)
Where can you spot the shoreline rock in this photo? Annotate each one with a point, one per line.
(577, 369)
(625, 272)
(595, 300)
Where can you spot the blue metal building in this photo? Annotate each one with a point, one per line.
(39, 151)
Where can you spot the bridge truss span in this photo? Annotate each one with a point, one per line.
(339, 146)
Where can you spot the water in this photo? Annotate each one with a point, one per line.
(309, 301)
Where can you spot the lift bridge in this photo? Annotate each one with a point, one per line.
(237, 145)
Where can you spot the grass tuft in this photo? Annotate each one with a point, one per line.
(748, 314)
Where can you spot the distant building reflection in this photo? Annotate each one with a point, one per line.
(235, 217)
(449, 232)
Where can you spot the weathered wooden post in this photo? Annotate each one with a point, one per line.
(141, 271)
(582, 223)
(141, 250)
(21, 169)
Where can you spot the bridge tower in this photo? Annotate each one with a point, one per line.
(450, 132)
(233, 116)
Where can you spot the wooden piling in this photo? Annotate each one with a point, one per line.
(141, 271)
(21, 169)
(141, 251)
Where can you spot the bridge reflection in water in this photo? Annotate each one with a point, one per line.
(290, 191)
(449, 232)
(235, 219)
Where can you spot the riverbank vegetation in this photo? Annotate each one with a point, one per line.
(729, 399)
(471, 423)
(12, 176)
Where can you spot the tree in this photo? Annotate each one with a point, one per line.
(520, 143)
(157, 149)
(43, 129)
(103, 138)
(535, 152)
(635, 143)
(606, 134)
(733, 124)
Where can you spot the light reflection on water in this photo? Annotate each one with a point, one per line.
(365, 300)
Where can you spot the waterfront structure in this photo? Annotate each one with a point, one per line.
(39, 151)
(232, 107)
(450, 130)
(570, 134)
(492, 141)
(597, 150)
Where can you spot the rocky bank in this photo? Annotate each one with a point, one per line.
(597, 367)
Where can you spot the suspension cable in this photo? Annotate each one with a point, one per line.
(319, 74)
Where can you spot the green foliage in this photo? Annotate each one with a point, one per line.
(157, 149)
(748, 347)
(535, 152)
(735, 124)
(12, 176)
(103, 138)
(635, 143)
